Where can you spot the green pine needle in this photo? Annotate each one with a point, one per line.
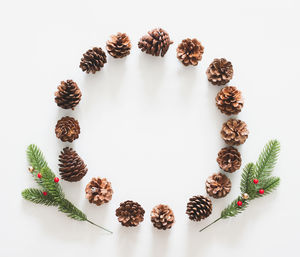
(247, 184)
(67, 207)
(262, 171)
(47, 182)
(232, 210)
(55, 195)
(267, 159)
(36, 158)
(36, 196)
(269, 185)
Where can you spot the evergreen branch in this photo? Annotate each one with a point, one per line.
(269, 185)
(233, 209)
(55, 195)
(36, 196)
(67, 207)
(47, 182)
(261, 171)
(267, 159)
(247, 185)
(36, 158)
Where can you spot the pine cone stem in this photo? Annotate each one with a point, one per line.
(210, 224)
(99, 226)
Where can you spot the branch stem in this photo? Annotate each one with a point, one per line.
(99, 226)
(210, 224)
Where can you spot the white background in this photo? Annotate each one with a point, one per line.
(149, 124)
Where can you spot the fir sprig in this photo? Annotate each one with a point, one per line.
(37, 196)
(262, 171)
(55, 195)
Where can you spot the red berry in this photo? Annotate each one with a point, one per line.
(255, 181)
(56, 179)
(39, 175)
(261, 191)
(45, 193)
(239, 203)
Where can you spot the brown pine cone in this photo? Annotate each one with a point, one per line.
(199, 208)
(229, 159)
(219, 72)
(162, 217)
(98, 191)
(68, 95)
(67, 129)
(156, 42)
(190, 52)
(218, 185)
(234, 132)
(130, 213)
(119, 45)
(229, 100)
(71, 168)
(93, 60)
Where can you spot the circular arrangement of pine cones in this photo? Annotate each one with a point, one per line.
(228, 100)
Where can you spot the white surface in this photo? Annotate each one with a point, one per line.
(148, 124)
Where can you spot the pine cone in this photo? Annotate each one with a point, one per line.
(98, 191)
(156, 42)
(199, 208)
(234, 132)
(219, 72)
(229, 159)
(119, 45)
(68, 95)
(93, 60)
(190, 52)
(162, 217)
(71, 168)
(229, 100)
(130, 213)
(218, 185)
(67, 129)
